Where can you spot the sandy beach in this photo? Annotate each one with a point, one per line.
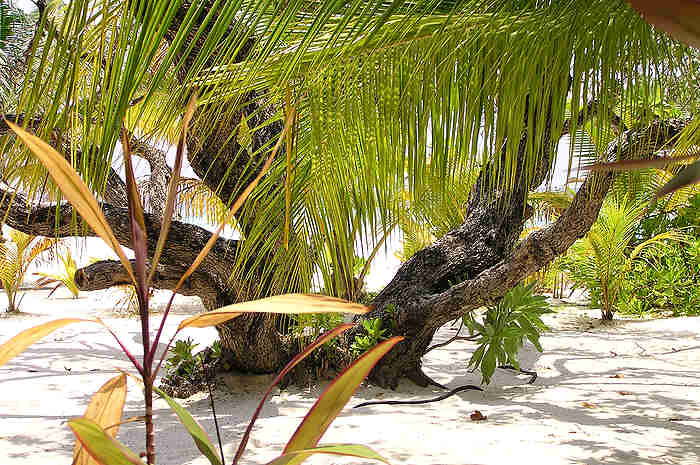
(626, 393)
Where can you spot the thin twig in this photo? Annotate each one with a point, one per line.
(456, 337)
(213, 410)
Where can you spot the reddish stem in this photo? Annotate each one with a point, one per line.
(156, 339)
(126, 351)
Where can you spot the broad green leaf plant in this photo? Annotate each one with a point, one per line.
(502, 329)
(96, 431)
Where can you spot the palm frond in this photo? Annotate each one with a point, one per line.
(65, 277)
(394, 97)
(196, 199)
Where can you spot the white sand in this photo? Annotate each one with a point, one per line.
(625, 420)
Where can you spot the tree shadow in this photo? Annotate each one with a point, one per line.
(638, 397)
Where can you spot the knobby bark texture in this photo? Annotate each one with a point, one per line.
(489, 261)
(473, 265)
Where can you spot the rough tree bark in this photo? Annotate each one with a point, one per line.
(471, 266)
(489, 268)
(482, 256)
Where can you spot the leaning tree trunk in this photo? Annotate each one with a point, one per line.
(473, 265)
(486, 259)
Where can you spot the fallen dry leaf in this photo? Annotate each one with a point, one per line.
(617, 375)
(477, 416)
(588, 405)
(625, 393)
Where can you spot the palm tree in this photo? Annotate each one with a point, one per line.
(16, 256)
(65, 277)
(385, 93)
(602, 260)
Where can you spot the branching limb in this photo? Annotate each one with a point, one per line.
(184, 240)
(160, 172)
(543, 246)
(591, 111)
(110, 273)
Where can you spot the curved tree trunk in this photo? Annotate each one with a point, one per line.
(471, 266)
(484, 248)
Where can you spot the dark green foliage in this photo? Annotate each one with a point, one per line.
(660, 219)
(668, 279)
(603, 261)
(314, 324)
(182, 361)
(504, 327)
(372, 333)
(367, 298)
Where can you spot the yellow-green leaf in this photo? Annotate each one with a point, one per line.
(26, 338)
(101, 446)
(198, 434)
(204, 320)
(348, 450)
(105, 409)
(286, 303)
(334, 398)
(74, 189)
(679, 18)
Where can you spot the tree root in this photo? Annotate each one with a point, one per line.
(421, 379)
(533, 374)
(454, 391)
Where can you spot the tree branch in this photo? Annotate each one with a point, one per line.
(160, 172)
(183, 244)
(543, 246)
(589, 112)
(110, 273)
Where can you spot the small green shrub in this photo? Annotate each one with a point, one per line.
(182, 360)
(373, 333)
(367, 297)
(306, 326)
(667, 279)
(16, 256)
(602, 261)
(503, 328)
